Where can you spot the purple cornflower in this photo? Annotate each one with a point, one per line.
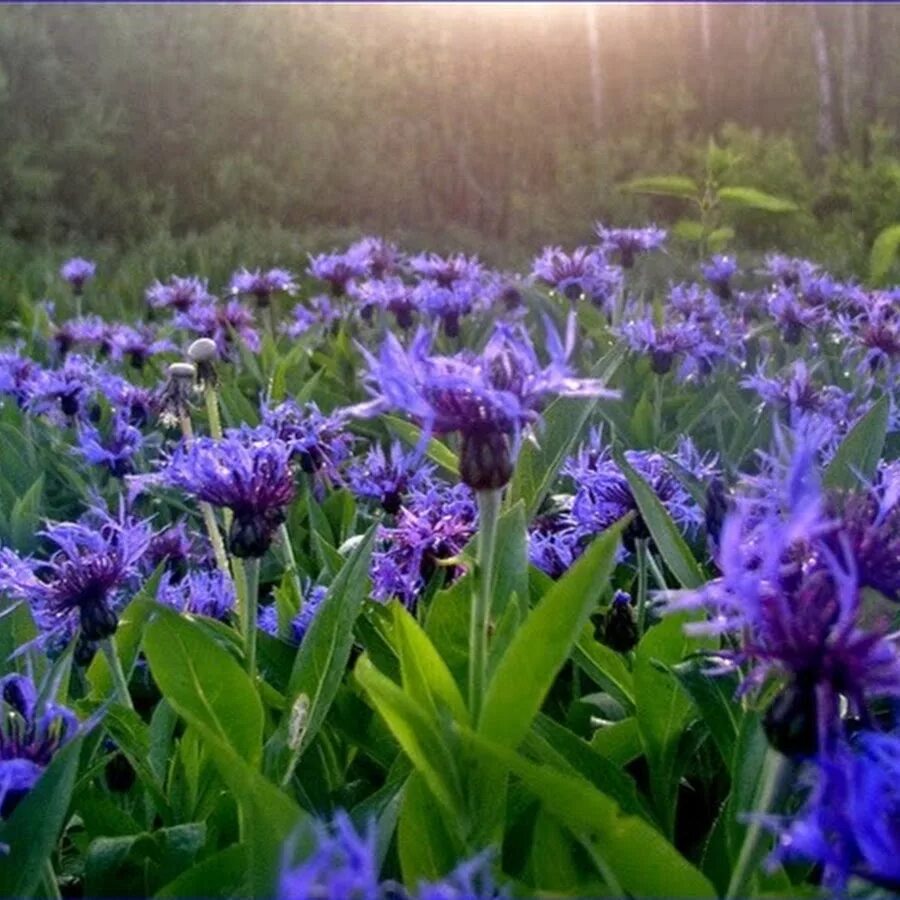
(201, 593)
(66, 391)
(448, 304)
(792, 316)
(262, 285)
(554, 548)
(391, 294)
(89, 332)
(628, 242)
(137, 345)
(223, 323)
(248, 472)
(788, 271)
(136, 403)
(432, 527)
(603, 495)
(446, 271)
(318, 311)
(115, 450)
(695, 302)
(17, 374)
(379, 257)
(873, 338)
(312, 601)
(30, 735)
(180, 294)
(340, 269)
(341, 866)
(318, 441)
(489, 399)
(582, 273)
(78, 272)
(718, 272)
(472, 879)
(174, 547)
(386, 477)
(83, 580)
(850, 822)
(796, 606)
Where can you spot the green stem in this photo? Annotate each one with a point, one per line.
(290, 560)
(641, 554)
(51, 886)
(115, 669)
(479, 622)
(657, 572)
(657, 409)
(212, 411)
(776, 775)
(250, 617)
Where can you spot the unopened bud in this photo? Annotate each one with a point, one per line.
(203, 350)
(182, 371)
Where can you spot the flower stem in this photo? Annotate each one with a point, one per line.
(51, 885)
(657, 409)
(776, 775)
(641, 554)
(212, 411)
(291, 560)
(115, 669)
(250, 613)
(488, 515)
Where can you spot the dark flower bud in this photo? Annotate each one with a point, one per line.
(572, 291)
(793, 332)
(98, 621)
(451, 325)
(716, 507)
(251, 536)
(84, 651)
(790, 722)
(511, 297)
(137, 359)
(391, 502)
(120, 774)
(619, 627)
(661, 361)
(68, 403)
(485, 461)
(404, 317)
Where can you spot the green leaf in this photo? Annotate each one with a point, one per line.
(689, 230)
(664, 186)
(427, 848)
(426, 677)
(673, 547)
(32, 831)
(525, 673)
(325, 649)
(884, 255)
(606, 667)
(24, 520)
(857, 457)
(435, 450)
(643, 862)
(663, 709)
(423, 742)
(619, 742)
(751, 198)
(541, 459)
(224, 874)
(204, 683)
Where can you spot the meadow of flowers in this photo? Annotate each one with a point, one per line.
(393, 576)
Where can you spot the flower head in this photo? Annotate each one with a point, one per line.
(116, 449)
(200, 593)
(78, 272)
(318, 441)
(628, 242)
(446, 271)
(339, 270)
(391, 294)
(582, 273)
(30, 735)
(222, 322)
(299, 625)
(386, 477)
(262, 285)
(136, 345)
(718, 272)
(179, 294)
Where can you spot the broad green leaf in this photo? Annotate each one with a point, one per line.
(204, 683)
(224, 874)
(325, 649)
(32, 831)
(557, 865)
(884, 255)
(511, 561)
(643, 862)
(525, 673)
(605, 666)
(751, 198)
(426, 677)
(424, 744)
(428, 849)
(857, 457)
(435, 450)
(689, 230)
(673, 547)
(25, 517)
(619, 742)
(447, 624)
(664, 186)
(663, 709)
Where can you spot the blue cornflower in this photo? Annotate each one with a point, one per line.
(719, 271)
(391, 294)
(472, 879)
(582, 273)
(223, 323)
(249, 472)
(317, 440)
(386, 477)
(67, 390)
(489, 398)
(554, 548)
(30, 735)
(379, 257)
(82, 582)
(262, 285)
(432, 528)
(78, 272)
(88, 332)
(180, 294)
(788, 271)
(201, 593)
(446, 271)
(791, 315)
(873, 337)
(628, 242)
(448, 304)
(177, 549)
(339, 270)
(115, 450)
(850, 822)
(137, 404)
(319, 310)
(796, 605)
(309, 607)
(136, 345)
(17, 374)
